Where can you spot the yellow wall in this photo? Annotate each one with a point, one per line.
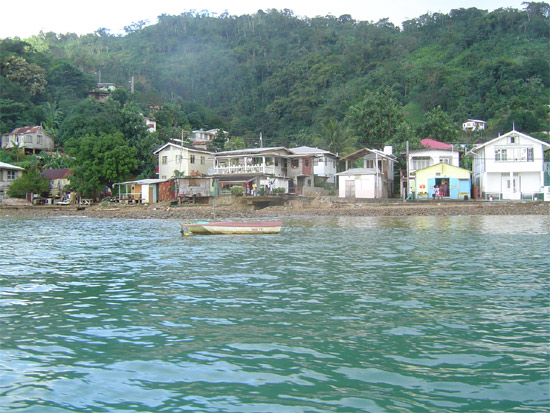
(444, 170)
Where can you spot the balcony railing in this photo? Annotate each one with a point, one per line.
(243, 169)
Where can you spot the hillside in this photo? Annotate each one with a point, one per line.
(291, 78)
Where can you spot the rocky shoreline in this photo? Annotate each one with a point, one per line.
(312, 207)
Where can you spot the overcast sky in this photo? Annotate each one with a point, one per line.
(24, 18)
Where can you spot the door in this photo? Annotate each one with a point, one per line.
(350, 188)
(464, 187)
(453, 190)
(511, 187)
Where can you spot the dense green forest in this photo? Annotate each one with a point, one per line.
(328, 81)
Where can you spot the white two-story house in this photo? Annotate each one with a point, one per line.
(509, 167)
(188, 161)
(368, 174)
(275, 167)
(325, 163)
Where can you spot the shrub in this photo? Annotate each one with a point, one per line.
(237, 190)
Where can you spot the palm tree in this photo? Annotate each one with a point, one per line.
(336, 137)
(235, 143)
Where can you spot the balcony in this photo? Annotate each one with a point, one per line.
(242, 170)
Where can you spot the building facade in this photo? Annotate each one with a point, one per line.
(187, 161)
(510, 166)
(30, 139)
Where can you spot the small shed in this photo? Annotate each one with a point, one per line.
(454, 182)
(141, 191)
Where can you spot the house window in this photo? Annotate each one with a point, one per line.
(39, 139)
(164, 160)
(501, 154)
(370, 163)
(11, 175)
(306, 163)
(512, 139)
(530, 156)
(28, 139)
(420, 162)
(294, 163)
(192, 159)
(446, 159)
(203, 160)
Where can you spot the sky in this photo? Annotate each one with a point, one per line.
(24, 18)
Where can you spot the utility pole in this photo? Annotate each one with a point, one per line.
(132, 85)
(407, 177)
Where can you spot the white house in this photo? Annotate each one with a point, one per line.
(325, 163)
(200, 138)
(31, 139)
(277, 167)
(151, 124)
(8, 174)
(432, 153)
(188, 161)
(470, 125)
(509, 166)
(372, 179)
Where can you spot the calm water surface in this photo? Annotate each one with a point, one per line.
(334, 314)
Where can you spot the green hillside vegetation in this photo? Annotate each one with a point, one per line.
(324, 80)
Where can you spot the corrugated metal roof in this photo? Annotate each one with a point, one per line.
(4, 165)
(26, 129)
(56, 173)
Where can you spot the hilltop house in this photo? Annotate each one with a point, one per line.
(510, 166)
(276, 167)
(8, 174)
(325, 163)
(373, 178)
(31, 139)
(200, 138)
(151, 124)
(470, 125)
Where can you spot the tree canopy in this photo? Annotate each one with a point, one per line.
(294, 80)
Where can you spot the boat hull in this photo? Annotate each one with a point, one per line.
(241, 228)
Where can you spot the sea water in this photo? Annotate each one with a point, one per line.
(333, 314)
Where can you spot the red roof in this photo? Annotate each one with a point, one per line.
(433, 144)
(52, 174)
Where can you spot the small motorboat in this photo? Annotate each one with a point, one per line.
(245, 228)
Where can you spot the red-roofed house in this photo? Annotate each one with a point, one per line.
(32, 139)
(432, 153)
(58, 178)
(433, 144)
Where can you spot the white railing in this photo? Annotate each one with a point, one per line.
(244, 169)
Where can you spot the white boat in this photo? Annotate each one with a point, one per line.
(211, 228)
